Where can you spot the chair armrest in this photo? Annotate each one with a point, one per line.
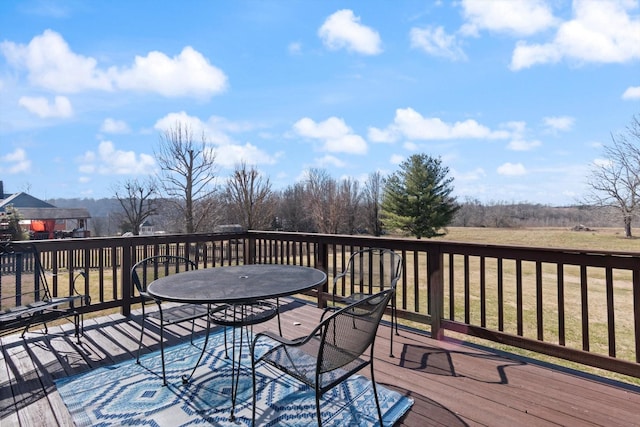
(275, 337)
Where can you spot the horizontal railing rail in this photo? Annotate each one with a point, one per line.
(582, 306)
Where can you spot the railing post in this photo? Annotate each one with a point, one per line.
(436, 291)
(322, 263)
(125, 275)
(250, 250)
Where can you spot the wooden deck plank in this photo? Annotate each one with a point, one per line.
(452, 384)
(31, 402)
(8, 412)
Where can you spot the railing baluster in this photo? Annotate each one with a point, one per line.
(519, 302)
(611, 318)
(500, 285)
(561, 315)
(584, 298)
(483, 292)
(539, 302)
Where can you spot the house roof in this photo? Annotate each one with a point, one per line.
(23, 200)
(54, 213)
(30, 207)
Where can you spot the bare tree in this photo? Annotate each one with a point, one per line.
(615, 181)
(322, 201)
(372, 195)
(349, 197)
(187, 175)
(293, 213)
(138, 202)
(249, 198)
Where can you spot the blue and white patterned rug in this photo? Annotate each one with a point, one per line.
(132, 394)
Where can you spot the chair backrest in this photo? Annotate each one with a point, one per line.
(22, 278)
(350, 331)
(369, 271)
(149, 269)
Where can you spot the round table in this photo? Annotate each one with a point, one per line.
(236, 286)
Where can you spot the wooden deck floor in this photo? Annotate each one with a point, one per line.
(452, 385)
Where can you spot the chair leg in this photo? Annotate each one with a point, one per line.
(394, 323)
(255, 391)
(141, 334)
(375, 395)
(164, 375)
(318, 414)
(76, 322)
(278, 315)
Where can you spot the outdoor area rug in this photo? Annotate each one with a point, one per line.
(132, 394)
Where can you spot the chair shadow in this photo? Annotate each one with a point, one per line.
(425, 411)
(438, 361)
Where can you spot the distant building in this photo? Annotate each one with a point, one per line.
(43, 220)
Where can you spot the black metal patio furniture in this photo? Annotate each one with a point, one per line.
(150, 269)
(368, 271)
(334, 351)
(25, 296)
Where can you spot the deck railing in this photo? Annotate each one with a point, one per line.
(582, 306)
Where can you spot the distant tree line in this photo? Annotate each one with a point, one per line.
(502, 214)
(187, 195)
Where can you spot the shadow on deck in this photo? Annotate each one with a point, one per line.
(451, 384)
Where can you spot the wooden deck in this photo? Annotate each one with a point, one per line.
(452, 384)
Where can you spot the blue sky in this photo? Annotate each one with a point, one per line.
(516, 97)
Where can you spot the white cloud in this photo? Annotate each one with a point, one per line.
(413, 125)
(193, 124)
(472, 175)
(600, 32)
(330, 160)
(511, 169)
(522, 145)
(516, 17)
(600, 163)
(396, 159)
(295, 48)
(114, 126)
(336, 136)
(50, 64)
(215, 129)
(436, 42)
(410, 146)
(343, 30)
(109, 161)
(230, 155)
(632, 92)
(41, 107)
(15, 162)
(381, 135)
(216, 133)
(560, 123)
(188, 74)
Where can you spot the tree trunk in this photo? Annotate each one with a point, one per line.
(627, 227)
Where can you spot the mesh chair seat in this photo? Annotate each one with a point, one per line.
(179, 313)
(341, 345)
(301, 362)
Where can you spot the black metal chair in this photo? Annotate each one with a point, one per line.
(334, 351)
(150, 269)
(368, 271)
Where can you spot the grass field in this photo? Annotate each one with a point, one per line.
(604, 239)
